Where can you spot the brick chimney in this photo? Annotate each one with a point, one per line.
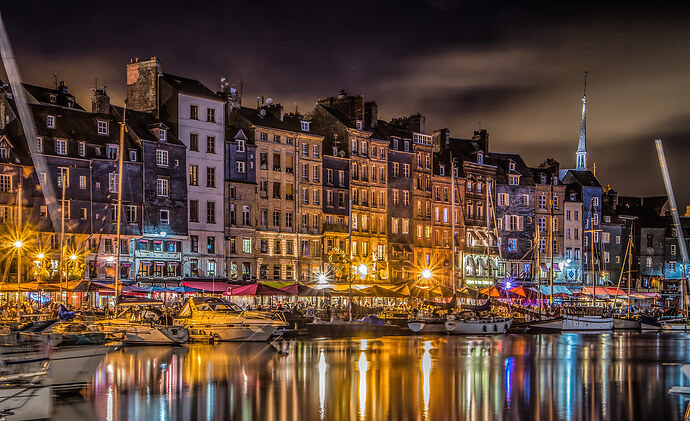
(100, 101)
(482, 137)
(142, 84)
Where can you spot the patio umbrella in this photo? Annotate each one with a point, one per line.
(522, 292)
(305, 290)
(256, 289)
(379, 291)
(492, 292)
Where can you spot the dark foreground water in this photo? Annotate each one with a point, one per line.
(523, 377)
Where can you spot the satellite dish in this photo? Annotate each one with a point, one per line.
(269, 101)
(342, 154)
(262, 113)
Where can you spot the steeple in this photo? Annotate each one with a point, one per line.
(582, 145)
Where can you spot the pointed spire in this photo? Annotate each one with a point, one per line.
(582, 145)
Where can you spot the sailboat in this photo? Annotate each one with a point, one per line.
(627, 322)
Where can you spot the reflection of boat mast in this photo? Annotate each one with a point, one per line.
(551, 201)
(120, 161)
(452, 217)
(676, 222)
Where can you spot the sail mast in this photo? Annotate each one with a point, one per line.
(120, 162)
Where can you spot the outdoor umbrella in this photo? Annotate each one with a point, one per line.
(379, 291)
(256, 289)
(304, 290)
(492, 292)
(522, 292)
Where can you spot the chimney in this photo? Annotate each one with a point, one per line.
(440, 140)
(275, 109)
(100, 101)
(62, 89)
(371, 114)
(482, 137)
(142, 84)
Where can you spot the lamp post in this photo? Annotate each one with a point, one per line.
(18, 245)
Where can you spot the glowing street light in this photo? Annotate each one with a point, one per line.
(363, 270)
(426, 274)
(322, 278)
(40, 256)
(18, 244)
(73, 257)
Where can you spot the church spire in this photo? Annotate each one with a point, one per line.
(582, 145)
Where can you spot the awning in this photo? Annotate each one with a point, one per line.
(473, 234)
(207, 286)
(544, 267)
(557, 289)
(126, 265)
(146, 263)
(160, 263)
(556, 267)
(256, 289)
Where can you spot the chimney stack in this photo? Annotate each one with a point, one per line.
(142, 84)
(100, 101)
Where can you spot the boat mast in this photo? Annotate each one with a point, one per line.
(676, 221)
(630, 239)
(19, 237)
(452, 216)
(120, 161)
(538, 268)
(551, 201)
(594, 278)
(63, 179)
(349, 241)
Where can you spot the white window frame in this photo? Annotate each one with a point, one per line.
(161, 157)
(103, 128)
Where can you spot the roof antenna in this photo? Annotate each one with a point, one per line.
(56, 82)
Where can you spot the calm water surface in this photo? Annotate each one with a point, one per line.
(522, 377)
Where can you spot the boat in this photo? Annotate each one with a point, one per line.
(143, 322)
(650, 323)
(25, 396)
(213, 319)
(675, 324)
(368, 327)
(477, 325)
(427, 324)
(575, 319)
(626, 323)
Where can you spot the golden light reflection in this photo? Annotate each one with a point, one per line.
(362, 367)
(323, 367)
(426, 376)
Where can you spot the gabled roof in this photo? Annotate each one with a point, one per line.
(189, 86)
(141, 123)
(338, 115)
(45, 95)
(502, 162)
(583, 178)
(268, 119)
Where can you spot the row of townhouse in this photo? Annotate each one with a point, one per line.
(212, 189)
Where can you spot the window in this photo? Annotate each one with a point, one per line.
(673, 249)
(555, 202)
(133, 155)
(406, 170)
(194, 142)
(649, 261)
(542, 224)
(263, 136)
(246, 245)
(111, 152)
(305, 126)
(60, 147)
(341, 199)
(210, 177)
(81, 148)
(210, 144)
(525, 200)
(427, 162)
(512, 244)
(514, 180)
(329, 176)
(288, 219)
(211, 245)
(112, 182)
(82, 182)
(82, 214)
(102, 127)
(211, 212)
(245, 216)
(194, 112)
(329, 197)
(276, 218)
(164, 216)
(131, 214)
(315, 151)
(241, 166)
(513, 223)
(406, 198)
(240, 145)
(50, 121)
(405, 226)
(503, 199)
(672, 265)
(316, 176)
(193, 211)
(162, 135)
(211, 115)
(605, 237)
(162, 187)
(595, 202)
(161, 158)
(193, 175)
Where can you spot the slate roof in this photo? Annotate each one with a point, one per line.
(43, 95)
(189, 86)
(502, 162)
(267, 120)
(141, 123)
(583, 178)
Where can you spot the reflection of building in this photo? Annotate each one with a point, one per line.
(550, 205)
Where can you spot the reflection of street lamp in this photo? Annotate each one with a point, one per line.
(18, 245)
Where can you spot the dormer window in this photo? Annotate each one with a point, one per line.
(132, 155)
(53, 98)
(112, 152)
(573, 196)
(442, 170)
(81, 146)
(50, 121)
(162, 135)
(514, 180)
(4, 152)
(240, 145)
(480, 157)
(360, 125)
(102, 127)
(511, 165)
(543, 179)
(554, 180)
(305, 126)
(335, 151)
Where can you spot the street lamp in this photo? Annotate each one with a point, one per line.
(322, 278)
(426, 274)
(18, 245)
(363, 270)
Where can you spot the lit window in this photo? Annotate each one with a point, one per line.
(50, 121)
(102, 127)
(162, 187)
(60, 147)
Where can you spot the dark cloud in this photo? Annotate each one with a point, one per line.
(515, 66)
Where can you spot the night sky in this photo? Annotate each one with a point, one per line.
(514, 68)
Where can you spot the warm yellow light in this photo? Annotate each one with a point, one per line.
(73, 257)
(41, 256)
(18, 244)
(322, 278)
(426, 274)
(363, 269)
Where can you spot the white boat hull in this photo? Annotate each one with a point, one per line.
(232, 333)
(30, 402)
(163, 335)
(574, 323)
(478, 327)
(71, 368)
(680, 326)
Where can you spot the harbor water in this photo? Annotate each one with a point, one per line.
(570, 376)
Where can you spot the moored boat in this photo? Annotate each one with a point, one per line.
(626, 323)
(575, 319)
(477, 325)
(365, 328)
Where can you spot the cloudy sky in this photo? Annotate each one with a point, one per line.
(514, 68)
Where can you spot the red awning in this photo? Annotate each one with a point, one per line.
(208, 286)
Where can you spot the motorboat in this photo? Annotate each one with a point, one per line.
(213, 319)
(25, 396)
(475, 325)
(427, 323)
(367, 327)
(575, 319)
(143, 322)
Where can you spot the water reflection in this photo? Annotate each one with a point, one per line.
(540, 377)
